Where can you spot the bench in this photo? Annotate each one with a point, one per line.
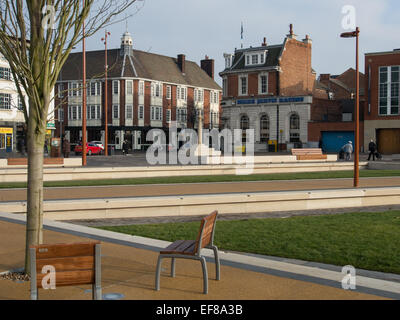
(309, 154)
(24, 161)
(73, 264)
(191, 249)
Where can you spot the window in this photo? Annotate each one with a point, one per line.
(115, 111)
(129, 87)
(74, 89)
(255, 58)
(168, 116)
(74, 112)
(263, 84)
(213, 119)
(225, 87)
(294, 128)
(5, 73)
(94, 89)
(198, 95)
(264, 128)
(129, 112)
(60, 115)
(244, 125)
(5, 101)
(20, 103)
(389, 85)
(182, 93)
(168, 93)
(141, 112)
(141, 88)
(243, 85)
(181, 115)
(93, 112)
(156, 113)
(60, 90)
(116, 87)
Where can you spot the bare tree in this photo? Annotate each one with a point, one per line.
(36, 37)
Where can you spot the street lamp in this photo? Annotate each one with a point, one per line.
(84, 162)
(105, 96)
(355, 34)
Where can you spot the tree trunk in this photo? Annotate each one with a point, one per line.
(34, 220)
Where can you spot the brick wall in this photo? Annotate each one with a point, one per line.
(297, 77)
(376, 61)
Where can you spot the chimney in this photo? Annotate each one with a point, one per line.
(307, 40)
(324, 77)
(264, 44)
(208, 66)
(181, 62)
(291, 34)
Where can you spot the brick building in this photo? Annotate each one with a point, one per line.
(269, 88)
(382, 117)
(332, 111)
(145, 91)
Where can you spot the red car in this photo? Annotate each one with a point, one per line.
(90, 149)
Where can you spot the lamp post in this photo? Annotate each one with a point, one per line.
(84, 160)
(355, 34)
(106, 96)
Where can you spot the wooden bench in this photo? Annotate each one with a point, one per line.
(309, 154)
(73, 264)
(191, 249)
(24, 161)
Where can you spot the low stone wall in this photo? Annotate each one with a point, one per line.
(91, 173)
(190, 205)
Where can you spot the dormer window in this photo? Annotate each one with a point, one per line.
(255, 58)
(228, 60)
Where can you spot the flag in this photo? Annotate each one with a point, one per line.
(241, 31)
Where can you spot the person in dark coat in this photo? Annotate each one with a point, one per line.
(372, 150)
(125, 147)
(66, 148)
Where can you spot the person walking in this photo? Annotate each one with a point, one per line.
(66, 148)
(372, 150)
(125, 147)
(348, 150)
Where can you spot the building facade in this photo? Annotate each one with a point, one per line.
(144, 90)
(332, 122)
(269, 89)
(381, 111)
(12, 120)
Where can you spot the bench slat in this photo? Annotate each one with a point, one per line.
(66, 264)
(180, 247)
(70, 278)
(65, 250)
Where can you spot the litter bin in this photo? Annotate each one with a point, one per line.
(55, 151)
(111, 150)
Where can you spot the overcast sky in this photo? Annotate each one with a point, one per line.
(212, 27)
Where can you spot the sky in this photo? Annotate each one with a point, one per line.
(213, 27)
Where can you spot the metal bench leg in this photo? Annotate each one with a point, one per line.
(205, 275)
(217, 263)
(173, 267)
(158, 270)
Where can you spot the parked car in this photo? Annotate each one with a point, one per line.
(98, 143)
(90, 149)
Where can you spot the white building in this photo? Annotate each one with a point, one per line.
(12, 121)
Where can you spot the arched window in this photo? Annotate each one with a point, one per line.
(244, 125)
(294, 128)
(264, 128)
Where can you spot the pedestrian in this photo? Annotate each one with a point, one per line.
(372, 150)
(125, 147)
(46, 149)
(66, 148)
(348, 150)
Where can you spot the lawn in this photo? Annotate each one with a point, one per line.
(365, 240)
(212, 178)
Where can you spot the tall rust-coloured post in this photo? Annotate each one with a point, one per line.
(106, 95)
(84, 100)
